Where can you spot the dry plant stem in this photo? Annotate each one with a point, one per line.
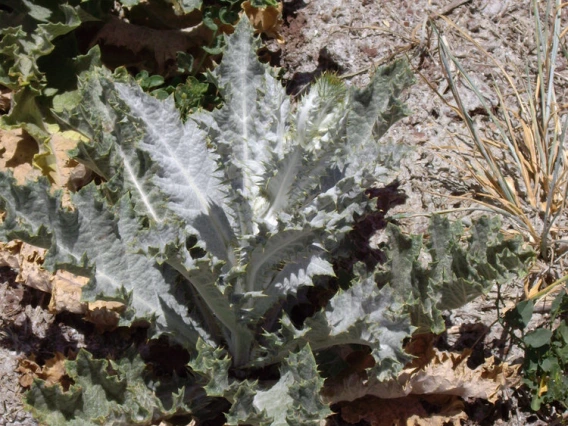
(548, 109)
(381, 61)
(532, 139)
(450, 7)
(511, 211)
(439, 212)
(445, 55)
(413, 40)
(549, 288)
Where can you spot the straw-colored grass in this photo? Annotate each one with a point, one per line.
(521, 163)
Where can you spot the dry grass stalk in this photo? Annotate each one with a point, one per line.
(522, 165)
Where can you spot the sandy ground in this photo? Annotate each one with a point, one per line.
(352, 38)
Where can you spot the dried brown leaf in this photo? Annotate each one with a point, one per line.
(66, 297)
(52, 372)
(421, 347)
(56, 164)
(449, 412)
(65, 287)
(408, 411)
(378, 412)
(31, 272)
(444, 373)
(147, 48)
(448, 374)
(266, 20)
(503, 376)
(20, 153)
(66, 293)
(9, 254)
(29, 369)
(17, 151)
(104, 314)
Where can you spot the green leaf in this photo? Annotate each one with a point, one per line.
(154, 81)
(370, 117)
(213, 366)
(263, 3)
(538, 338)
(20, 50)
(104, 392)
(25, 113)
(189, 95)
(185, 6)
(95, 234)
(549, 364)
(561, 333)
(364, 314)
(184, 62)
(520, 316)
(180, 6)
(536, 403)
(457, 274)
(292, 401)
(559, 304)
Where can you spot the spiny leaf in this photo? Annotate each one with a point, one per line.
(95, 241)
(104, 393)
(292, 401)
(458, 272)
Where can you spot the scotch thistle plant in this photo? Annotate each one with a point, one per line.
(206, 230)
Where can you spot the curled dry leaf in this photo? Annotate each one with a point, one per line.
(17, 151)
(450, 412)
(65, 287)
(266, 20)
(449, 374)
(26, 259)
(54, 369)
(408, 411)
(29, 370)
(20, 153)
(52, 372)
(421, 347)
(148, 48)
(439, 373)
(66, 293)
(31, 272)
(104, 314)
(66, 297)
(9, 254)
(62, 171)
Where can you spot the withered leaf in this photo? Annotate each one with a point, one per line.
(66, 293)
(17, 151)
(52, 372)
(148, 48)
(31, 272)
(443, 373)
(104, 314)
(266, 20)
